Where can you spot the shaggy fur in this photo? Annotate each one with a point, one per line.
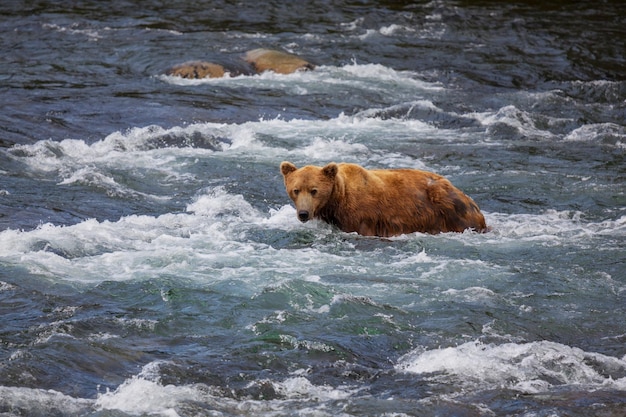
(380, 202)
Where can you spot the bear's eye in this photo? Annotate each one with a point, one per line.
(313, 192)
(296, 192)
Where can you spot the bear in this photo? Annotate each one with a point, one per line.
(380, 202)
(255, 61)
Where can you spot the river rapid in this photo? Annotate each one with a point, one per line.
(151, 263)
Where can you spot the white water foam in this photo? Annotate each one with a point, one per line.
(211, 241)
(144, 394)
(525, 123)
(526, 367)
(432, 28)
(32, 401)
(371, 78)
(208, 243)
(515, 118)
(75, 29)
(606, 133)
(141, 155)
(552, 227)
(107, 164)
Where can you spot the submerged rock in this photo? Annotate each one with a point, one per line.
(197, 69)
(259, 60)
(277, 61)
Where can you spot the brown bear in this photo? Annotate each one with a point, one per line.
(254, 62)
(383, 202)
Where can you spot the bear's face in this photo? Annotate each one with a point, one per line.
(309, 187)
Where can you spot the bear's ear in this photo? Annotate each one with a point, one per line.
(330, 170)
(287, 168)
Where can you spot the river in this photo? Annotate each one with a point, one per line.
(151, 263)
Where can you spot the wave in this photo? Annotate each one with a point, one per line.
(152, 155)
(510, 122)
(526, 367)
(534, 368)
(595, 92)
(91, 34)
(33, 402)
(145, 394)
(530, 115)
(355, 77)
(553, 226)
(222, 233)
(602, 133)
(431, 28)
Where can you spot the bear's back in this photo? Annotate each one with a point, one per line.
(389, 202)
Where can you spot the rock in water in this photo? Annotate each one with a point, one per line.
(277, 61)
(197, 69)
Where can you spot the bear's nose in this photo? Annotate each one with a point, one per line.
(303, 215)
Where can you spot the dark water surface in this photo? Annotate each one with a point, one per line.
(152, 264)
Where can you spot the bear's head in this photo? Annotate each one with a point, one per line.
(309, 187)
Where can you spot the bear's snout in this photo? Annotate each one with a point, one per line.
(303, 215)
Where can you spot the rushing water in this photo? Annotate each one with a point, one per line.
(151, 262)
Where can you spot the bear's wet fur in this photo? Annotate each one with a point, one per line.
(380, 202)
